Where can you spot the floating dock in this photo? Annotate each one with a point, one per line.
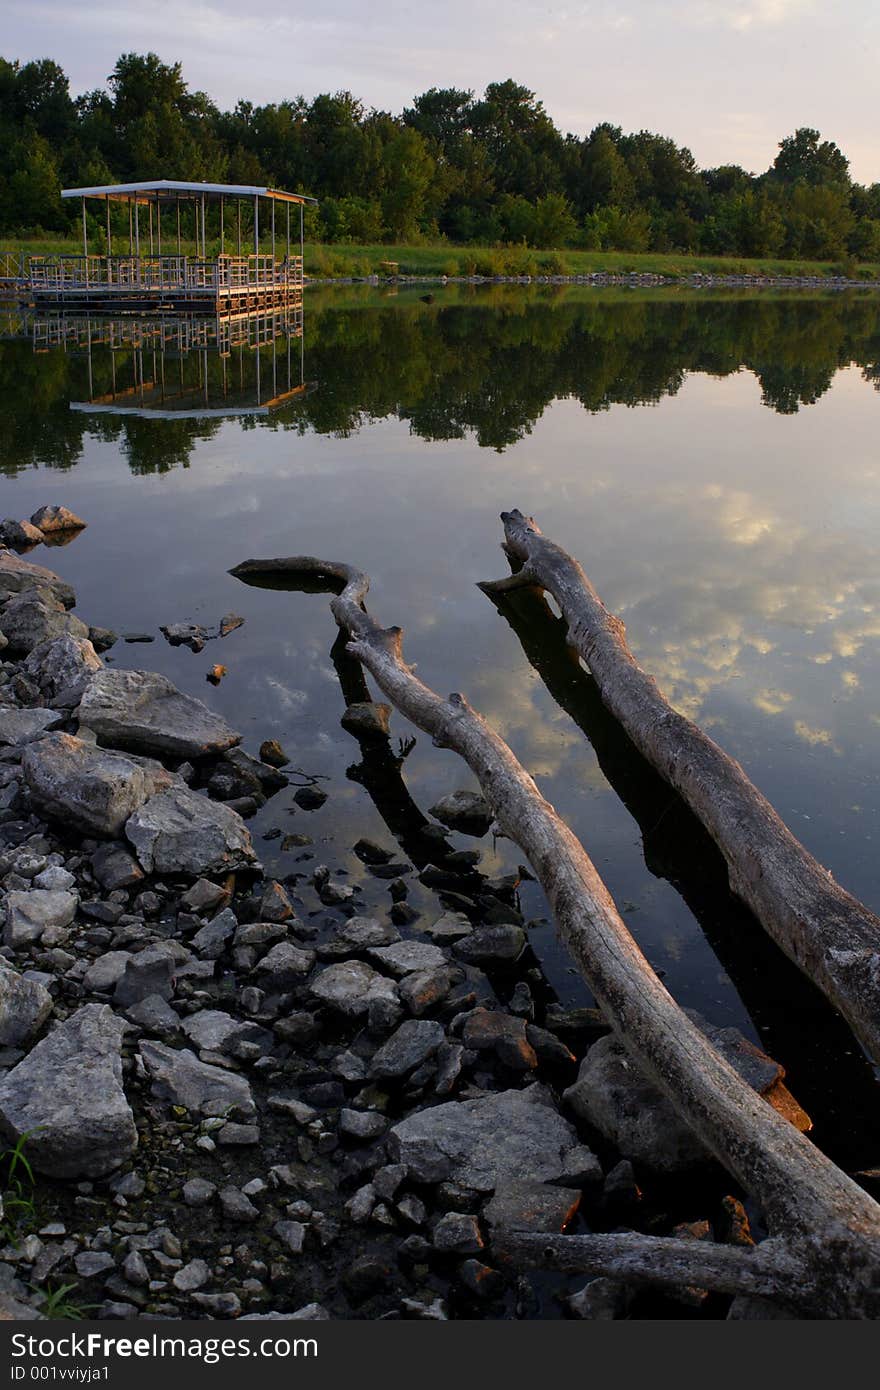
(144, 278)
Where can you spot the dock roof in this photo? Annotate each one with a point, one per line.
(154, 190)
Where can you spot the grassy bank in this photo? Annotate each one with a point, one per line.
(444, 259)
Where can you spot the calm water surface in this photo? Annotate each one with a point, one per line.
(713, 462)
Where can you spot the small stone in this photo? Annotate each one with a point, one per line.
(49, 520)
(272, 753)
(275, 905)
(500, 942)
(310, 798)
(407, 1048)
(458, 1234)
(292, 1235)
(364, 1125)
(465, 811)
(405, 957)
(503, 1034)
(238, 1136)
(351, 987)
(530, 1206)
(30, 914)
(236, 1206)
(92, 1262)
(198, 1192)
(367, 720)
(192, 1276)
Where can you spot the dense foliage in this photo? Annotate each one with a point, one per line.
(491, 170)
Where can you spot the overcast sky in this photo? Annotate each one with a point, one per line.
(729, 78)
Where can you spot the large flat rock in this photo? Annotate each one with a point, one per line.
(143, 711)
(67, 1098)
(180, 832)
(17, 575)
(181, 1079)
(84, 786)
(480, 1143)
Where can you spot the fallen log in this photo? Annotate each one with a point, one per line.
(828, 933)
(823, 1254)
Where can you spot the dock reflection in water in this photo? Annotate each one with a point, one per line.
(179, 366)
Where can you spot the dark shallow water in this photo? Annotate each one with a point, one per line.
(712, 461)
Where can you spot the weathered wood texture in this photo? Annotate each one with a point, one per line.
(828, 933)
(825, 1245)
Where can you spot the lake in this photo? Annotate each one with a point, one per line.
(711, 459)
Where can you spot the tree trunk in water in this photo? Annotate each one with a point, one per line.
(824, 1250)
(828, 933)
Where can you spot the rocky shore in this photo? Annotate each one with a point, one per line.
(630, 280)
(242, 1096)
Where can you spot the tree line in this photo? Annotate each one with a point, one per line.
(491, 170)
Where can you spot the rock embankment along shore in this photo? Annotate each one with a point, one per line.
(295, 1095)
(698, 280)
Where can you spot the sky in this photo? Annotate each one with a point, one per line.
(727, 78)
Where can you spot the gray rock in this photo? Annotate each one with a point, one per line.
(103, 974)
(212, 1030)
(180, 1078)
(181, 832)
(481, 1142)
(114, 867)
(501, 942)
(67, 1097)
(275, 905)
(452, 926)
(92, 1262)
(54, 878)
(191, 1277)
(363, 1125)
(358, 934)
(284, 965)
(17, 575)
(197, 1192)
(466, 811)
(351, 987)
(204, 896)
(530, 1206)
(612, 1095)
(367, 720)
(49, 520)
(409, 1046)
(211, 939)
(237, 1207)
(457, 1233)
(24, 1006)
(62, 668)
(155, 1015)
(84, 786)
(142, 710)
(31, 913)
(292, 1235)
(34, 617)
(150, 972)
(423, 989)
(404, 957)
(19, 726)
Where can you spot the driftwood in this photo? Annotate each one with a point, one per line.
(823, 1253)
(828, 933)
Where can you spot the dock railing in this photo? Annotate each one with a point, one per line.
(182, 275)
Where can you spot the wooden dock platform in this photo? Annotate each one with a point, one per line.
(158, 284)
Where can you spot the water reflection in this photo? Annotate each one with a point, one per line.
(471, 364)
(712, 461)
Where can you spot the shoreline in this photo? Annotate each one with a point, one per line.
(302, 1097)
